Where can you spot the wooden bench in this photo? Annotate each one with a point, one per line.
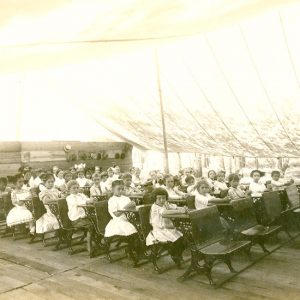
(5, 206)
(293, 198)
(246, 225)
(67, 229)
(104, 243)
(209, 242)
(274, 215)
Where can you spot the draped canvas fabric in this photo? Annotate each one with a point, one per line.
(232, 90)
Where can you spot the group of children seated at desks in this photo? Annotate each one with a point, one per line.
(51, 186)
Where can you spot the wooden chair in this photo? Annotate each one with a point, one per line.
(138, 199)
(37, 208)
(294, 203)
(66, 225)
(209, 242)
(102, 197)
(5, 207)
(102, 218)
(246, 226)
(190, 202)
(273, 211)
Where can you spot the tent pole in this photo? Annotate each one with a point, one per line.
(166, 158)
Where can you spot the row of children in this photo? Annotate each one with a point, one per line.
(163, 229)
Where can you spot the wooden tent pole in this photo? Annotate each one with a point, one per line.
(166, 157)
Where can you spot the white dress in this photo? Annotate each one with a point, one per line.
(82, 182)
(201, 201)
(76, 212)
(256, 189)
(278, 185)
(47, 222)
(19, 214)
(95, 190)
(59, 182)
(162, 227)
(118, 225)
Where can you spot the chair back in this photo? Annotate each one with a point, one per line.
(244, 214)
(272, 205)
(190, 202)
(38, 208)
(86, 191)
(102, 215)
(144, 216)
(223, 193)
(206, 225)
(102, 197)
(63, 217)
(293, 196)
(138, 199)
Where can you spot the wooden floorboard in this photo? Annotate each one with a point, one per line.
(31, 271)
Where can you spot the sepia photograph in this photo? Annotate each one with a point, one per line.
(150, 150)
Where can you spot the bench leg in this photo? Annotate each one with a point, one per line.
(154, 255)
(227, 261)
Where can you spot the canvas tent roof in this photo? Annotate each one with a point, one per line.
(229, 88)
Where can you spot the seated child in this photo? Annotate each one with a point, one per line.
(88, 175)
(172, 193)
(202, 196)
(277, 183)
(48, 222)
(77, 214)
(256, 188)
(129, 188)
(190, 182)
(59, 179)
(81, 180)
(211, 178)
(117, 173)
(235, 192)
(109, 180)
(119, 225)
(95, 189)
(136, 177)
(20, 214)
(103, 182)
(220, 184)
(163, 228)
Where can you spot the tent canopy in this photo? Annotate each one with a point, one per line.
(230, 79)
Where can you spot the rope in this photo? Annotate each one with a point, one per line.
(265, 90)
(234, 94)
(288, 49)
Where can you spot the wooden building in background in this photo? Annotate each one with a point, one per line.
(64, 154)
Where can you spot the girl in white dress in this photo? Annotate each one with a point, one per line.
(256, 187)
(235, 192)
(219, 184)
(202, 196)
(59, 179)
(81, 180)
(95, 189)
(163, 228)
(48, 222)
(119, 225)
(172, 193)
(211, 178)
(277, 183)
(20, 214)
(77, 214)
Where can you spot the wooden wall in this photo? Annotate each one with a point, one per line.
(45, 154)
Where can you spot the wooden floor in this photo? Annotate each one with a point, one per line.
(34, 272)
